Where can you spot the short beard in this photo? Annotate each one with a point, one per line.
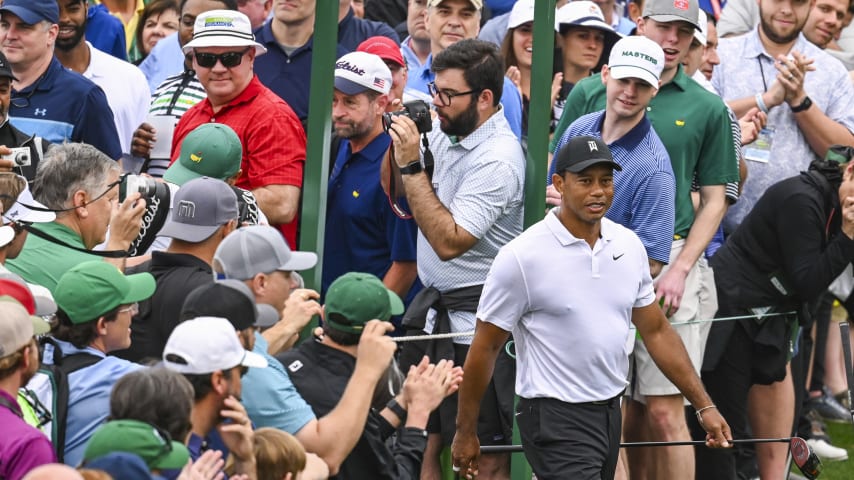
(772, 35)
(67, 45)
(464, 124)
(354, 131)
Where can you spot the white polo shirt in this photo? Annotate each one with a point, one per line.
(569, 308)
(126, 89)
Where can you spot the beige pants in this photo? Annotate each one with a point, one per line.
(699, 304)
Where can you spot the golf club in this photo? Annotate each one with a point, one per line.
(804, 458)
(849, 369)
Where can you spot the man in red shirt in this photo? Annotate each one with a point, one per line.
(224, 50)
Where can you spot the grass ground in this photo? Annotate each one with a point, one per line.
(843, 437)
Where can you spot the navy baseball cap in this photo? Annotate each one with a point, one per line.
(32, 11)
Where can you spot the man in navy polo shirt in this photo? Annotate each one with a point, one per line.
(645, 189)
(286, 68)
(48, 100)
(363, 234)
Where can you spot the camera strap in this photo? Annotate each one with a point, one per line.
(392, 188)
(52, 239)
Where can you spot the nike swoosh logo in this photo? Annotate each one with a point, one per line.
(617, 257)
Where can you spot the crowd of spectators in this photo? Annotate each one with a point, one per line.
(152, 160)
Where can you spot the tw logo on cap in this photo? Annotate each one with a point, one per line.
(592, 146)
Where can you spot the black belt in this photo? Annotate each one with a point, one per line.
(611, 402)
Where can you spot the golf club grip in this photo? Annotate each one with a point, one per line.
(846, 356)
(518, 448)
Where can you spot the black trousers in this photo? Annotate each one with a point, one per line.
(579, 441)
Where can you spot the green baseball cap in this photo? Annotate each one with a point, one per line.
(91, 289)
(360, 298)
(210, 150)
(152, 444)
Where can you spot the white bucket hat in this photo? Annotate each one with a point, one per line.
(223, 28)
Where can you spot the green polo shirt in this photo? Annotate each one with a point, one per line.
(43, 262)
(692, 123)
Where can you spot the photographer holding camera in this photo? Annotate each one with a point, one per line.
(81, 185)
(363, 234)
(466, 197)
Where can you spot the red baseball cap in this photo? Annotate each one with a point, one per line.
(383, 47)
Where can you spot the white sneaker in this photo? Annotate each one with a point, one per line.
(826, 451)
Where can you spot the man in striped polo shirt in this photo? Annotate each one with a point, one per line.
(645, 190)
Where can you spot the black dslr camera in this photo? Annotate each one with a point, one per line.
(417, 110)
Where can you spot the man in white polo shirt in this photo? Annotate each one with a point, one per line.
(571, 348)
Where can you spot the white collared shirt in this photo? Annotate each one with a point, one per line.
(126, 89)
(569, 308)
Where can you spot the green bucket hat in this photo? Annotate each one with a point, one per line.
(210, 150)
(152, 444)
(360, 298)
(91, 289)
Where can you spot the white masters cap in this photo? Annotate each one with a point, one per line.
(637, 57)
(206, 344)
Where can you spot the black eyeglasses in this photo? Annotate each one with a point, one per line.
(110, 186)
(228, 59)
(445, 97)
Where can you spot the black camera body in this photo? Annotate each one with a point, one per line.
(417, 110)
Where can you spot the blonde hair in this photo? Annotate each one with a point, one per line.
(277, 453)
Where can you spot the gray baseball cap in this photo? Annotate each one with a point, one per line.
(200, 207)
(666, 11)
(258, 249)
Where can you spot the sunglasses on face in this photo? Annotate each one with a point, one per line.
(228, 59)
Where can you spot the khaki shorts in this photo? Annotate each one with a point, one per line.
(699, 302)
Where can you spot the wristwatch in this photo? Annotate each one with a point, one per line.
(805, 105)
(412, 168)
(395, 407)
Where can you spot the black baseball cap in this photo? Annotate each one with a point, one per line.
(229, 299)
(5, 68)
(582, 152)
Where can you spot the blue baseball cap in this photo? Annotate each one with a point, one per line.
(32, 11)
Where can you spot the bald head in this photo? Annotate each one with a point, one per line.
(53, 471)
